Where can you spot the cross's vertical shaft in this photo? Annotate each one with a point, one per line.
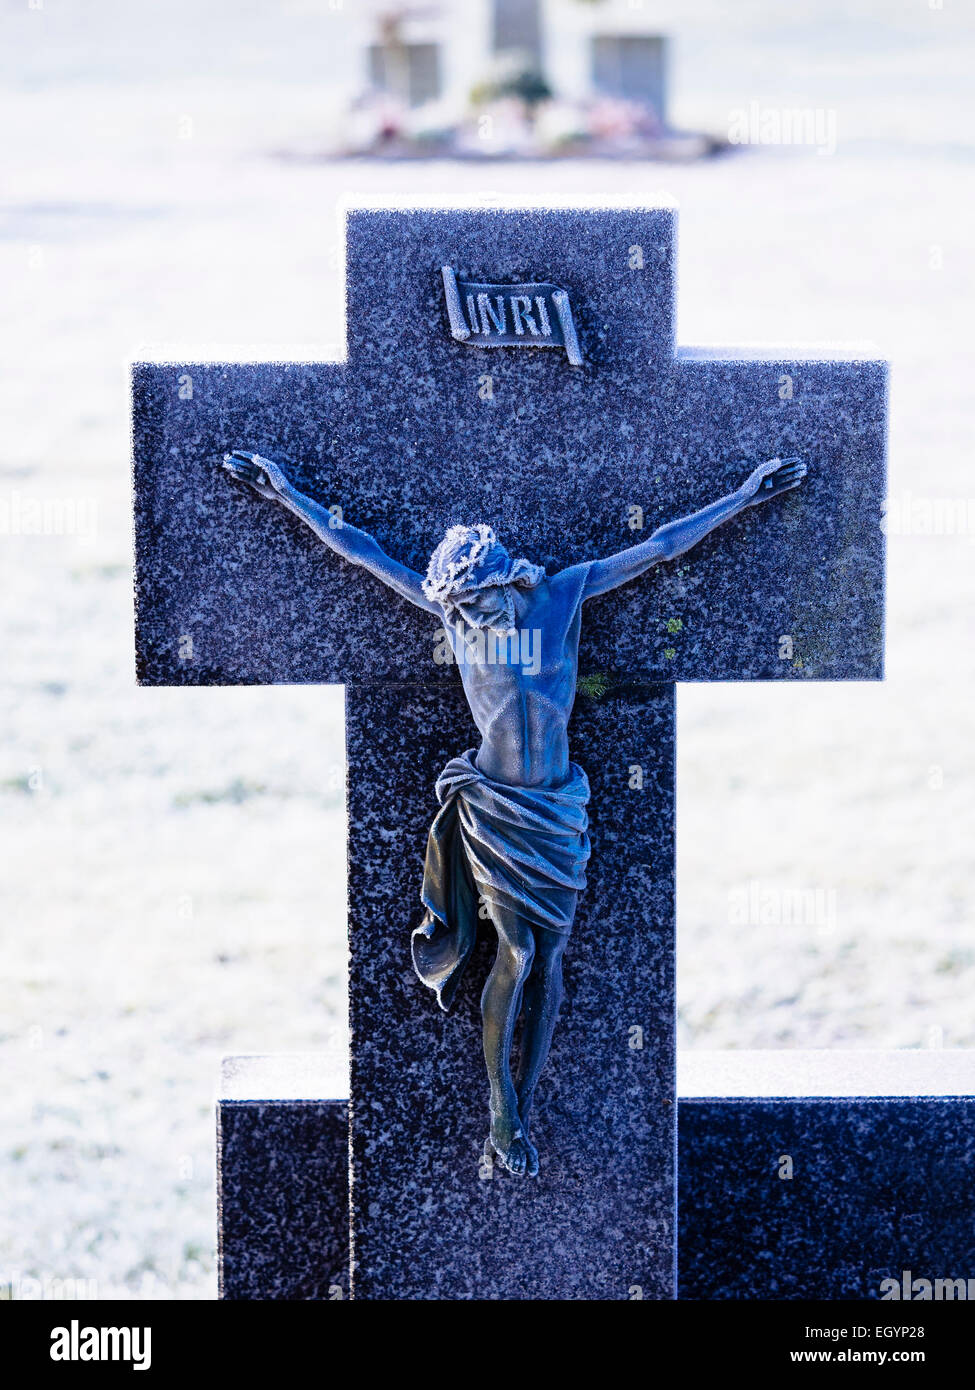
(430, 1218)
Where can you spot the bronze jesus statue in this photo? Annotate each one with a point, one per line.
(510, 839)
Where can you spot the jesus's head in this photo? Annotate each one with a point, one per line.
(471, 574)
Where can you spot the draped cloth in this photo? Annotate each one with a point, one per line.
(520, 848)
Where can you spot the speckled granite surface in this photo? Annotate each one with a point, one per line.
(599, 1218)
(879, 1186)
(283, 1199)
(556, 458)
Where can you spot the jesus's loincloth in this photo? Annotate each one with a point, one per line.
(520, 848)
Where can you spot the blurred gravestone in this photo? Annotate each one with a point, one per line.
(516, 29)
(407, 71)
(631, 67)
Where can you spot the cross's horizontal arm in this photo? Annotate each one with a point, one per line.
(673, 539)
(666, 543)
(418, 432)
(346, 540)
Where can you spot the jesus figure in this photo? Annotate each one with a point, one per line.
(511, 834)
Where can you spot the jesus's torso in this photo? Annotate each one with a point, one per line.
(521, 689)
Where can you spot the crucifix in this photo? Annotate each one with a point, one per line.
(511, 836)
(439, 434)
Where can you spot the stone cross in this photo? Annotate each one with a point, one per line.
(417, 430)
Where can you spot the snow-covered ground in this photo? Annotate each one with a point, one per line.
(173, 860)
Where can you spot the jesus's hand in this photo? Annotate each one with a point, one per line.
(772, 478)
(263, 475)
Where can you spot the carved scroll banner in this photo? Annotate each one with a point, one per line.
(529, 315)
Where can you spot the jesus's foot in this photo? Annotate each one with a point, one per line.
(512, 1148)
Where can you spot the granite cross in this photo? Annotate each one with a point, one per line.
(571, 461)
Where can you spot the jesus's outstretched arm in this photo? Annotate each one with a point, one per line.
(767, 480)
(270, 480)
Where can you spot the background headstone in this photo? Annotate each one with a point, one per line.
(631, 67)
(516, 30)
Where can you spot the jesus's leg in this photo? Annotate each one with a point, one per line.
(500, 1004)
(542, 997)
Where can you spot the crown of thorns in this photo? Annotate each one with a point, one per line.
(456, 565)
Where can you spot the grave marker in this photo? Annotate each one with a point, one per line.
(414, 432)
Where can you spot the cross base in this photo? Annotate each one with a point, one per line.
(882, 1184)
